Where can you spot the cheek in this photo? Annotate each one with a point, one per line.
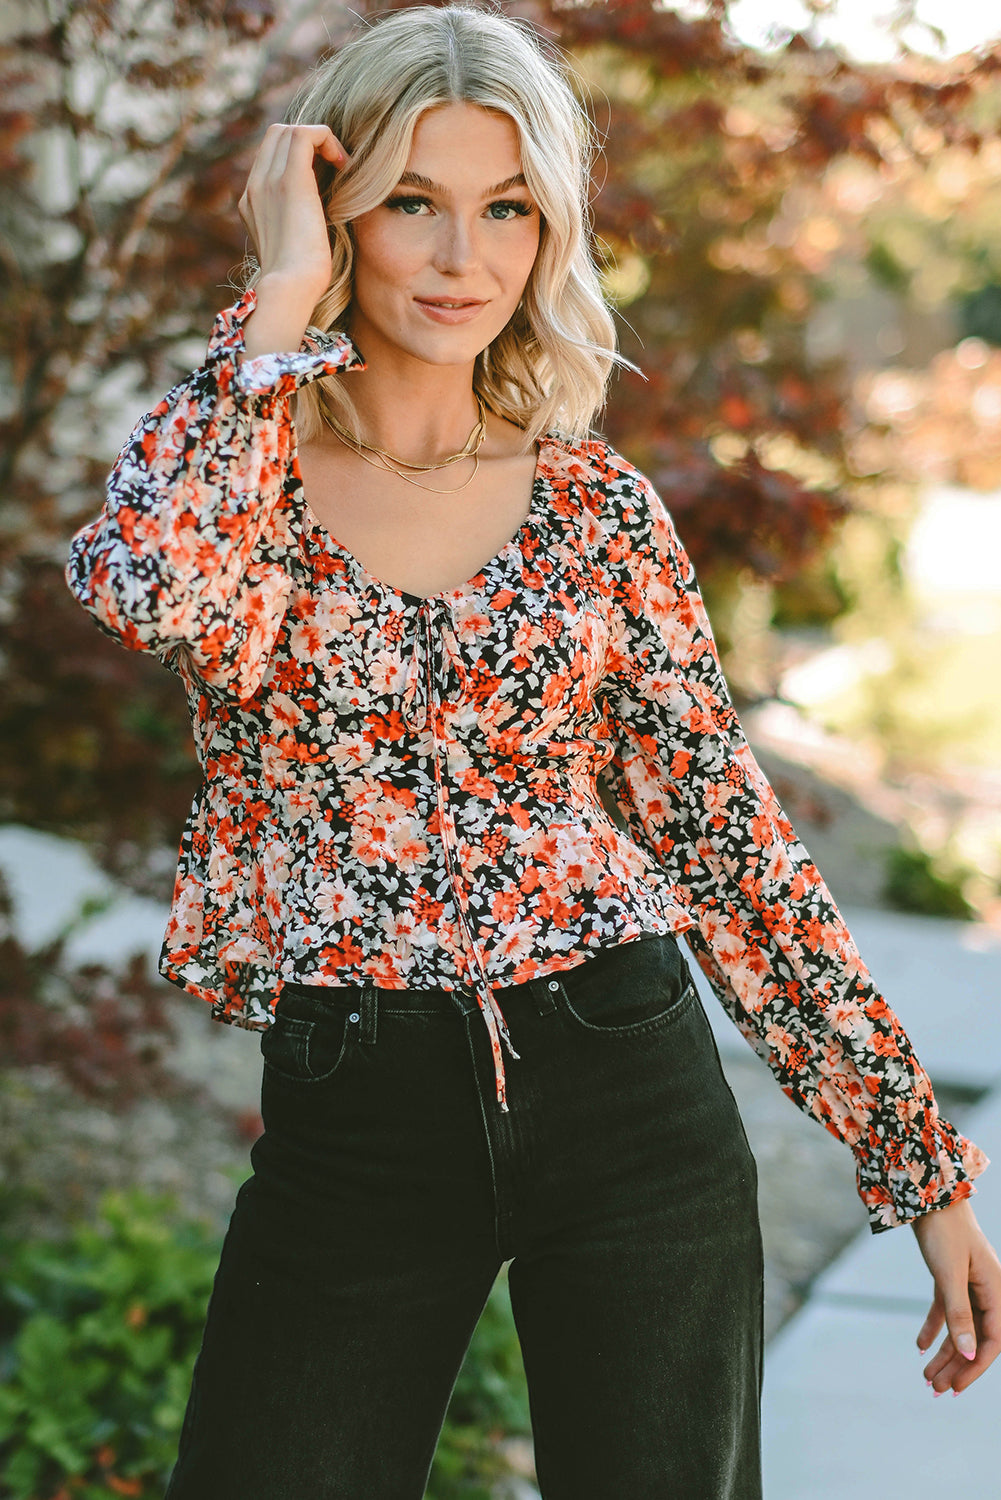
(528, 253)
(529, 243)
(383, 257)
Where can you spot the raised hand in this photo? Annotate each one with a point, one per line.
(284, 216)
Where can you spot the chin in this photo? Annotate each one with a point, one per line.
(466, 354)
(451, 348)
(437, 346)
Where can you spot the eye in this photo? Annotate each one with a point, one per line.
(510, 208)
(408, 205)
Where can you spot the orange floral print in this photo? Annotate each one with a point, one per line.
(404, 791)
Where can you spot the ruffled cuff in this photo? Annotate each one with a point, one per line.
(905, 1177)
(319, 354)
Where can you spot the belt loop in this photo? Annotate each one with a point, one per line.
(369, 1012)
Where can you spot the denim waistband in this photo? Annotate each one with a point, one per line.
(435, 999)
(368, 1000)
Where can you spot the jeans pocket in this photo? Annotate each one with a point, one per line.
(306, 1051)
(628, 989)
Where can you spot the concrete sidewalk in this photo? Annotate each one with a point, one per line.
(846, 1410)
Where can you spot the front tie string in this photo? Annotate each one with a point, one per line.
(415, 704)
(418, 689)
(498, 1032)
(422, 709)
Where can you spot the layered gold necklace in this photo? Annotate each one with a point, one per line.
(380, 459)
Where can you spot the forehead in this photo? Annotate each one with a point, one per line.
(465, 141)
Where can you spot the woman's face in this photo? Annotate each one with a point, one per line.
(440, 266)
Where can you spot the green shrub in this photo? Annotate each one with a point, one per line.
(914, 884)
(98, 1337)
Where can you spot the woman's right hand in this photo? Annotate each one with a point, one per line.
(282, 210)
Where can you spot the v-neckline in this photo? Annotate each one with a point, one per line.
(415, 601)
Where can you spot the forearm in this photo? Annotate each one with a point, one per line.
(277, 324)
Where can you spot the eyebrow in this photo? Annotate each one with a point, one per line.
(414, 179)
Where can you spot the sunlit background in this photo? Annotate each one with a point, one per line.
(868, 30)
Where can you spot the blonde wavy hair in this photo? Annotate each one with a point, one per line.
(547, 371)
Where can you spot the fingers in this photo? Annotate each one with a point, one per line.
(951, 1370)
(281, 141)
(985, 1289)
(946, 1367)
(959, 1347)
(959, 1319)
(264, 159)
(279, 160)
(282, 207)
(320, 140)
(262, 163)
(330, 147)
(950, 1367)
(324, 156)
(931, 1324)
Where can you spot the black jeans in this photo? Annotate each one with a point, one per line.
(389, 1189)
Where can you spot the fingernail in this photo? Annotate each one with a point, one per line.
(938, 1393)
(927, 1382)
(955, 1392)
(967, 1345)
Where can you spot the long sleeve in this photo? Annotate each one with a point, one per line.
(194, 551)
(766, 930)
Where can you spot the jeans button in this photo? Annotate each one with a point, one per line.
(554, 984)
(354, 1016)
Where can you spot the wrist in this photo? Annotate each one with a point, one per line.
(288, 291)
(283, 308)
(959, 1210)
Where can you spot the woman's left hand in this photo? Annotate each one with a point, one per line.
(967, 1275)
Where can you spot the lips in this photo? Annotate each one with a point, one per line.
(449, 309)
(449, 301)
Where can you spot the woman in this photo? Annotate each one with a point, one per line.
(481, 1041)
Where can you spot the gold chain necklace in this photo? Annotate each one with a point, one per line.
(410, 479)
(469, 447)
(389, 461)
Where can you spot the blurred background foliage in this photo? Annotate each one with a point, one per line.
(101, 1328)
(805, 256)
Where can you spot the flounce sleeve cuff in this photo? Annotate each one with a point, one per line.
(905, 1176)
(319, 354)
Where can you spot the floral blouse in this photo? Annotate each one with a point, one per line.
(403, 791)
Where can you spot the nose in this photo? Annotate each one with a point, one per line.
(455, 249)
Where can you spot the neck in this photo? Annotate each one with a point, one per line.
(420, 414)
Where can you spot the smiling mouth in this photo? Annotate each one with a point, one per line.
(450, 312)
